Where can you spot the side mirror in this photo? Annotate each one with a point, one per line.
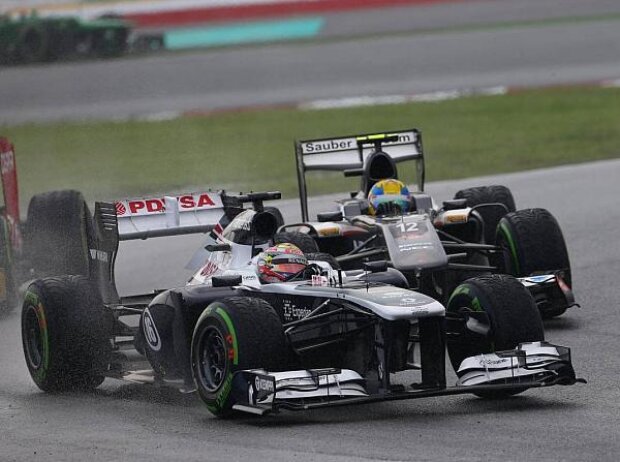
(353, 172)
(218, 247)
(455, 204)
(329, 216)
(376, 266)
(226, 281)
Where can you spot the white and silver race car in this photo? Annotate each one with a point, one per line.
(326, 338)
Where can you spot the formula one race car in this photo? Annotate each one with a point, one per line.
(29, 38)
(478, 232)
(322, 337)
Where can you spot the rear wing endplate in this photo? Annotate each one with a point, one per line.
(350, 153)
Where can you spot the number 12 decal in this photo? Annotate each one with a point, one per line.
(408, 227)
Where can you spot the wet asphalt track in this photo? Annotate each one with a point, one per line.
(133, 422)
(130, 422)
(584, 48)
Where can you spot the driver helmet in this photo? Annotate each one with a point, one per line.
(389, 197)
(280, 263)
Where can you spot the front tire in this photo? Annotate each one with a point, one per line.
(231, 335)
(65, 334)
(532, 242)
(512, 313)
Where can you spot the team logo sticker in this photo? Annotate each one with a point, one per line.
(150, 331)
(120, 208)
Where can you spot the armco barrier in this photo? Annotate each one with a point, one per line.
(164, 13)
(254, 11)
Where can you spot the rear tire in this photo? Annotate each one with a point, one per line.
(232, 335)
(512, 313)
(59, 231)
(66, 333)
(277, 215)
(489, 195)
(305, 242)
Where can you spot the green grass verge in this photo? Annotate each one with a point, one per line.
(254, 150)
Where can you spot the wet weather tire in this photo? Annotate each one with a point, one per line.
(231, 335)
(512, 312)
(305, 242)
(65, 333)
(59, 229)
(532, 242)
(489, 195)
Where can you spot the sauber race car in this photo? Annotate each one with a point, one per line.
(437, 247)
(322, 337)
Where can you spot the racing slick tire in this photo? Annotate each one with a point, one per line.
(325, 257)
(489, 195)
(512, 313)
(305, 242)
(532, 242)
(59, 231)
(66, 333)
(231, 335)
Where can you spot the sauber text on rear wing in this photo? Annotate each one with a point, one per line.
(351, 152)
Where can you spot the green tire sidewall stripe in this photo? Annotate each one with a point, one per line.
(474, 302)
(231, 328)
(33, 300)
(460, 290)
(476, 305)
(218, 404)
(513, 248)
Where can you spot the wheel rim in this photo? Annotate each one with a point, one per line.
(33, 338)
(212, 359)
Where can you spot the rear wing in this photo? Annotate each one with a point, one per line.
(145, 218)
(349, 154)
(168, 215)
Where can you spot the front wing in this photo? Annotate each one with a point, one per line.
(530, 365)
